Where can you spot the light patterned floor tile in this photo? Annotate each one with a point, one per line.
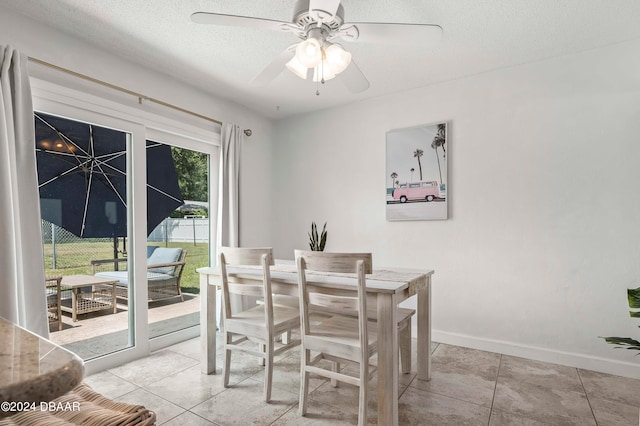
(155, 367)
(244, 404)
(462, 373)
(417, 407)
(498, 418)
(109, 385)
(188, 388)
(549, 405)
(188, 419)
(540, 373)
(611, 388)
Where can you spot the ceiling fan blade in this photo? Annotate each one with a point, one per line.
(241, 21)
(373, 32)
(354, 79)
(320, 9)
(274, 68)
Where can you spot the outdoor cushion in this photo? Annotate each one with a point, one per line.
(164, 255)
(123, 277)
(151, 249)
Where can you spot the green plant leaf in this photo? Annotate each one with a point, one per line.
(633, 295)
(313, 237)
(634, 314)
(623, 342)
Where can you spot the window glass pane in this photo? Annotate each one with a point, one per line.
(181, 238)
(82, 181)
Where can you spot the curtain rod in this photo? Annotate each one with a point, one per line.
(140, 96)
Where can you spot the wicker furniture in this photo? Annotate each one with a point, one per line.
(261, 323)
(82, 294)
(164, 271)
(54, 306)
(85, 407)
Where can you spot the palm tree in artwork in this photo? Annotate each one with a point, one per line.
(417, 154)
(438, 142)
(412, 170)
(393, 176)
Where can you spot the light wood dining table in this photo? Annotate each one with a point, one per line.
(386, 288)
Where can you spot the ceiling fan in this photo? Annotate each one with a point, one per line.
(318, 23)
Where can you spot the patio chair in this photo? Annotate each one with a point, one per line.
(164, 271)
(54, 305)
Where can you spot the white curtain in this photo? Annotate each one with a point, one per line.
(23, 299)
(229, 193)
(232, 137)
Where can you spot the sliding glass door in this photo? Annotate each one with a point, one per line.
(181, 240)
(126, 200)
(85, 179)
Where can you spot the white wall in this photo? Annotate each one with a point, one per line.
(543, 235)
(44, 43)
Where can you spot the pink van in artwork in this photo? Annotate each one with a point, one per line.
(417, 191)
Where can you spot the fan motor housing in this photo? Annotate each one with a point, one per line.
(302, 18)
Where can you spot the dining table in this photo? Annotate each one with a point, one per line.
(386, 288)
(33, 370)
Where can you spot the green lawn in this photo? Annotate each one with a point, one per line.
(76, 257)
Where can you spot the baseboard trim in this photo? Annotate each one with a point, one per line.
(603, 365)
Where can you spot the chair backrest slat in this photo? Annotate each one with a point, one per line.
(246, 289)
(234, 256)
(335, 262)
(314, 297)
(245, 256)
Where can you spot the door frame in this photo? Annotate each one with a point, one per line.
(63, 101)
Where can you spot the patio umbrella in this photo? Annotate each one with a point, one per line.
(82, 178)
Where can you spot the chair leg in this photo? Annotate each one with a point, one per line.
(227, 361)
(268, 372)
(335, 367)
(262, 348)
(286, 337)
(362, 401)
(304, 382)
(404, 341)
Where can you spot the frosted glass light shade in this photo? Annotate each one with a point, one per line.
(337, 58)
(297, 68)
(309, 52)
(323, 72)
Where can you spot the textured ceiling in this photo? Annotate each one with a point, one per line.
(479, 36)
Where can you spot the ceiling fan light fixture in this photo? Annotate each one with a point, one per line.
(323, 73)
(337, 59)
(309, 52)
(297, 68)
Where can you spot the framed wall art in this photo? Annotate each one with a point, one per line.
(416, 172)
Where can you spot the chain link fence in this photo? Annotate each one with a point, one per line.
(64, 250)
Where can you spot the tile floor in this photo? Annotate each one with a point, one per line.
(468, 387)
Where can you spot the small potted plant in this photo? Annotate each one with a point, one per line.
(317, 243)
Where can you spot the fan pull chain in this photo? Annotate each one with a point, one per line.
(322, 80)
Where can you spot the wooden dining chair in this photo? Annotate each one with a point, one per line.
(404, 315)
(340, 339)
(261, 323)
